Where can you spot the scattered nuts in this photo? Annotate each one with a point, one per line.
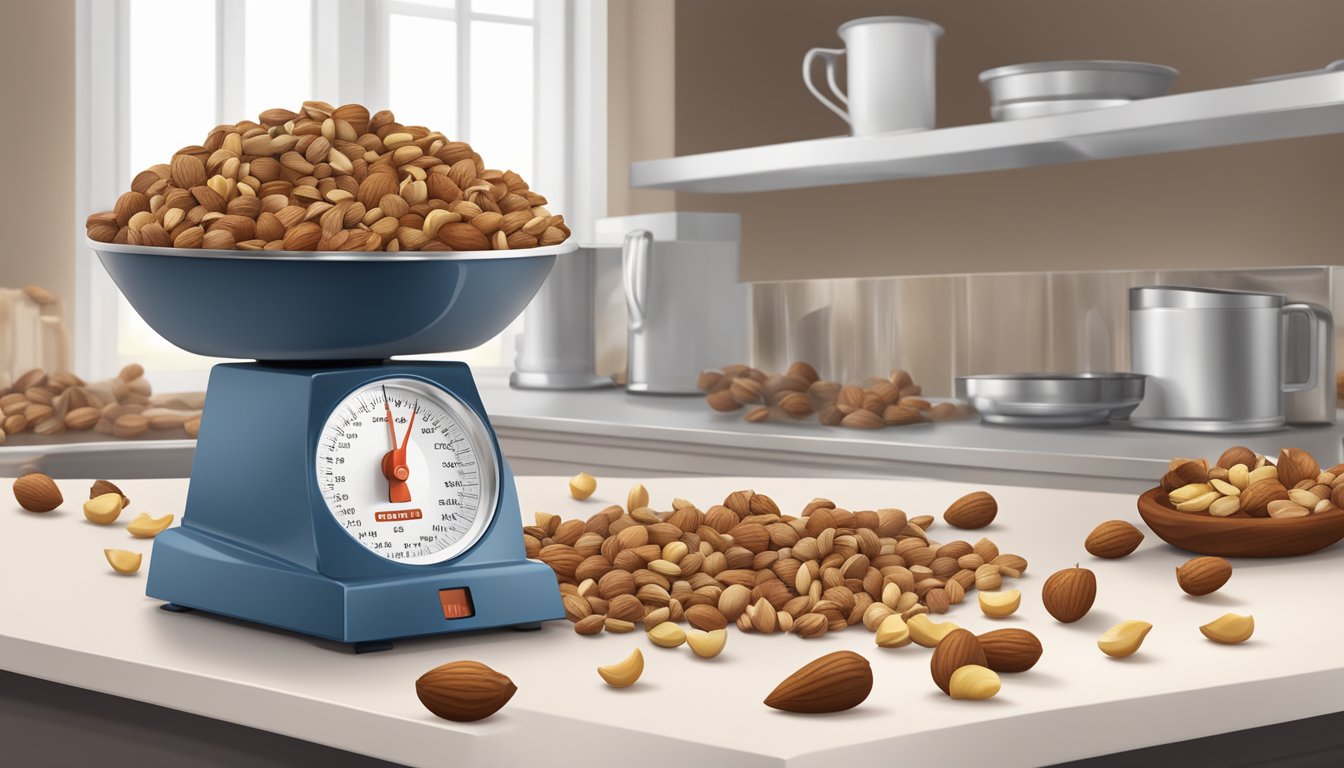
(582, 485)
(1229, 629)
(973, 682)
(926, 632)
(1068, 594)
(37, 492)
(103, 510)
(957, 649)
(1203, 575)
(1000, 604)
(667, 635)
(146, 527)
(464, 691)
(1124, 638)
(974, 510)
(833, 683)
(1113, 538)
(709, 644)
(123, 561)
(100, 487)
(893, 632)
(623, 674)
(1010, 650)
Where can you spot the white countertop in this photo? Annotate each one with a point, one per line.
(64, 616)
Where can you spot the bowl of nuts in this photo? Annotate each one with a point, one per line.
(327, 233)
(1244, 505)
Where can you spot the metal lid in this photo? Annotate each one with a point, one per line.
(1183, 297)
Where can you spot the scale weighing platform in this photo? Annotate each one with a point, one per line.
(336, 492)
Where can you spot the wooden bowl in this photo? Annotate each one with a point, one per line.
(1239, 536)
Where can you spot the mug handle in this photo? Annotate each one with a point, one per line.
(635, 269)
(1319, 321)
(830, 55)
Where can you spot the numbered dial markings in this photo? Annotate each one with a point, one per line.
(420, 492)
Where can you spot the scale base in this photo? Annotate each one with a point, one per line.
(194, 570)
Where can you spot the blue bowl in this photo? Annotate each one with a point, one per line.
(295, 306)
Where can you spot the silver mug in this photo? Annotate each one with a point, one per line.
(1222, 361)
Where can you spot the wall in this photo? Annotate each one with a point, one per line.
(641, 98)
(737, 83)
(37, 88)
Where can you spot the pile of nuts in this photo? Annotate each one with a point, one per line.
(328, 179)
(1243, 483)
(745, 562)
(123, 406)
(800, 392)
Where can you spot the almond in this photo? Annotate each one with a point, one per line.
(462, 236)
(1010, 650)
(706, 617)
(1257, 496)
(1068, 594)
(974, 510)
(1237, 454)
(957, 649)
(862, 419)
(464, 691)
(1113, 538)
(1296, 465)
(1184, 472)
(101, 487)
(37, 492)
(833, 683)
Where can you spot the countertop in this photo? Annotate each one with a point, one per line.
(65, 617)
(610, 431)
(556, 431)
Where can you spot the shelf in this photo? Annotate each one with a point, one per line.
(1285, 109)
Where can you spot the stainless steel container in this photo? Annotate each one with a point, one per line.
(1050, 87)
(1051, 399)
(1222, 361)
(687, 311)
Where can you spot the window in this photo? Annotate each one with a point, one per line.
(155, 75)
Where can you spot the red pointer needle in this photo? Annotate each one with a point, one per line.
(394, 461)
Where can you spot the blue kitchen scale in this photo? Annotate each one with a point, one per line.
(336, 492)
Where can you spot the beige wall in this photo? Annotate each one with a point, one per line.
(641, 98)
(37, 88)
(737, 83)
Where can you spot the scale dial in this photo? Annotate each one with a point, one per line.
(418, 489)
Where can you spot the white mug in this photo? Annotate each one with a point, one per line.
(890, 82)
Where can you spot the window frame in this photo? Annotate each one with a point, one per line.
(349, 65)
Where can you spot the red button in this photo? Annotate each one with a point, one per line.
(456, 603)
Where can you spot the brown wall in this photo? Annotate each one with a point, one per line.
(737, 83)
(37, 88)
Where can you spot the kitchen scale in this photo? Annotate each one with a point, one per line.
(336, 492)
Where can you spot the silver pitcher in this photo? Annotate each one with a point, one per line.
(1224, 361)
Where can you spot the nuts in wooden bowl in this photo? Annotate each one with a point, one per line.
(328, 178)
(1246, 505)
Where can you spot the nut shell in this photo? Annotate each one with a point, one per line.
(1113, 538)
(1296, 465)
(464, 691)
(1203, 575)
(1257, 496)
(833, 683)
(974, 510)
(1068, 594)
(37, 492)
(957, 649)
(1010, 650)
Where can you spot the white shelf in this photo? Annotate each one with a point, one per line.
(1285, 109)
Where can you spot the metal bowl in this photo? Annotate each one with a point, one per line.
(1052, 87)
(291, 306)
(1052, 399)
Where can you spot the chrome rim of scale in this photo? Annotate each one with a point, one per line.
(419, 493)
